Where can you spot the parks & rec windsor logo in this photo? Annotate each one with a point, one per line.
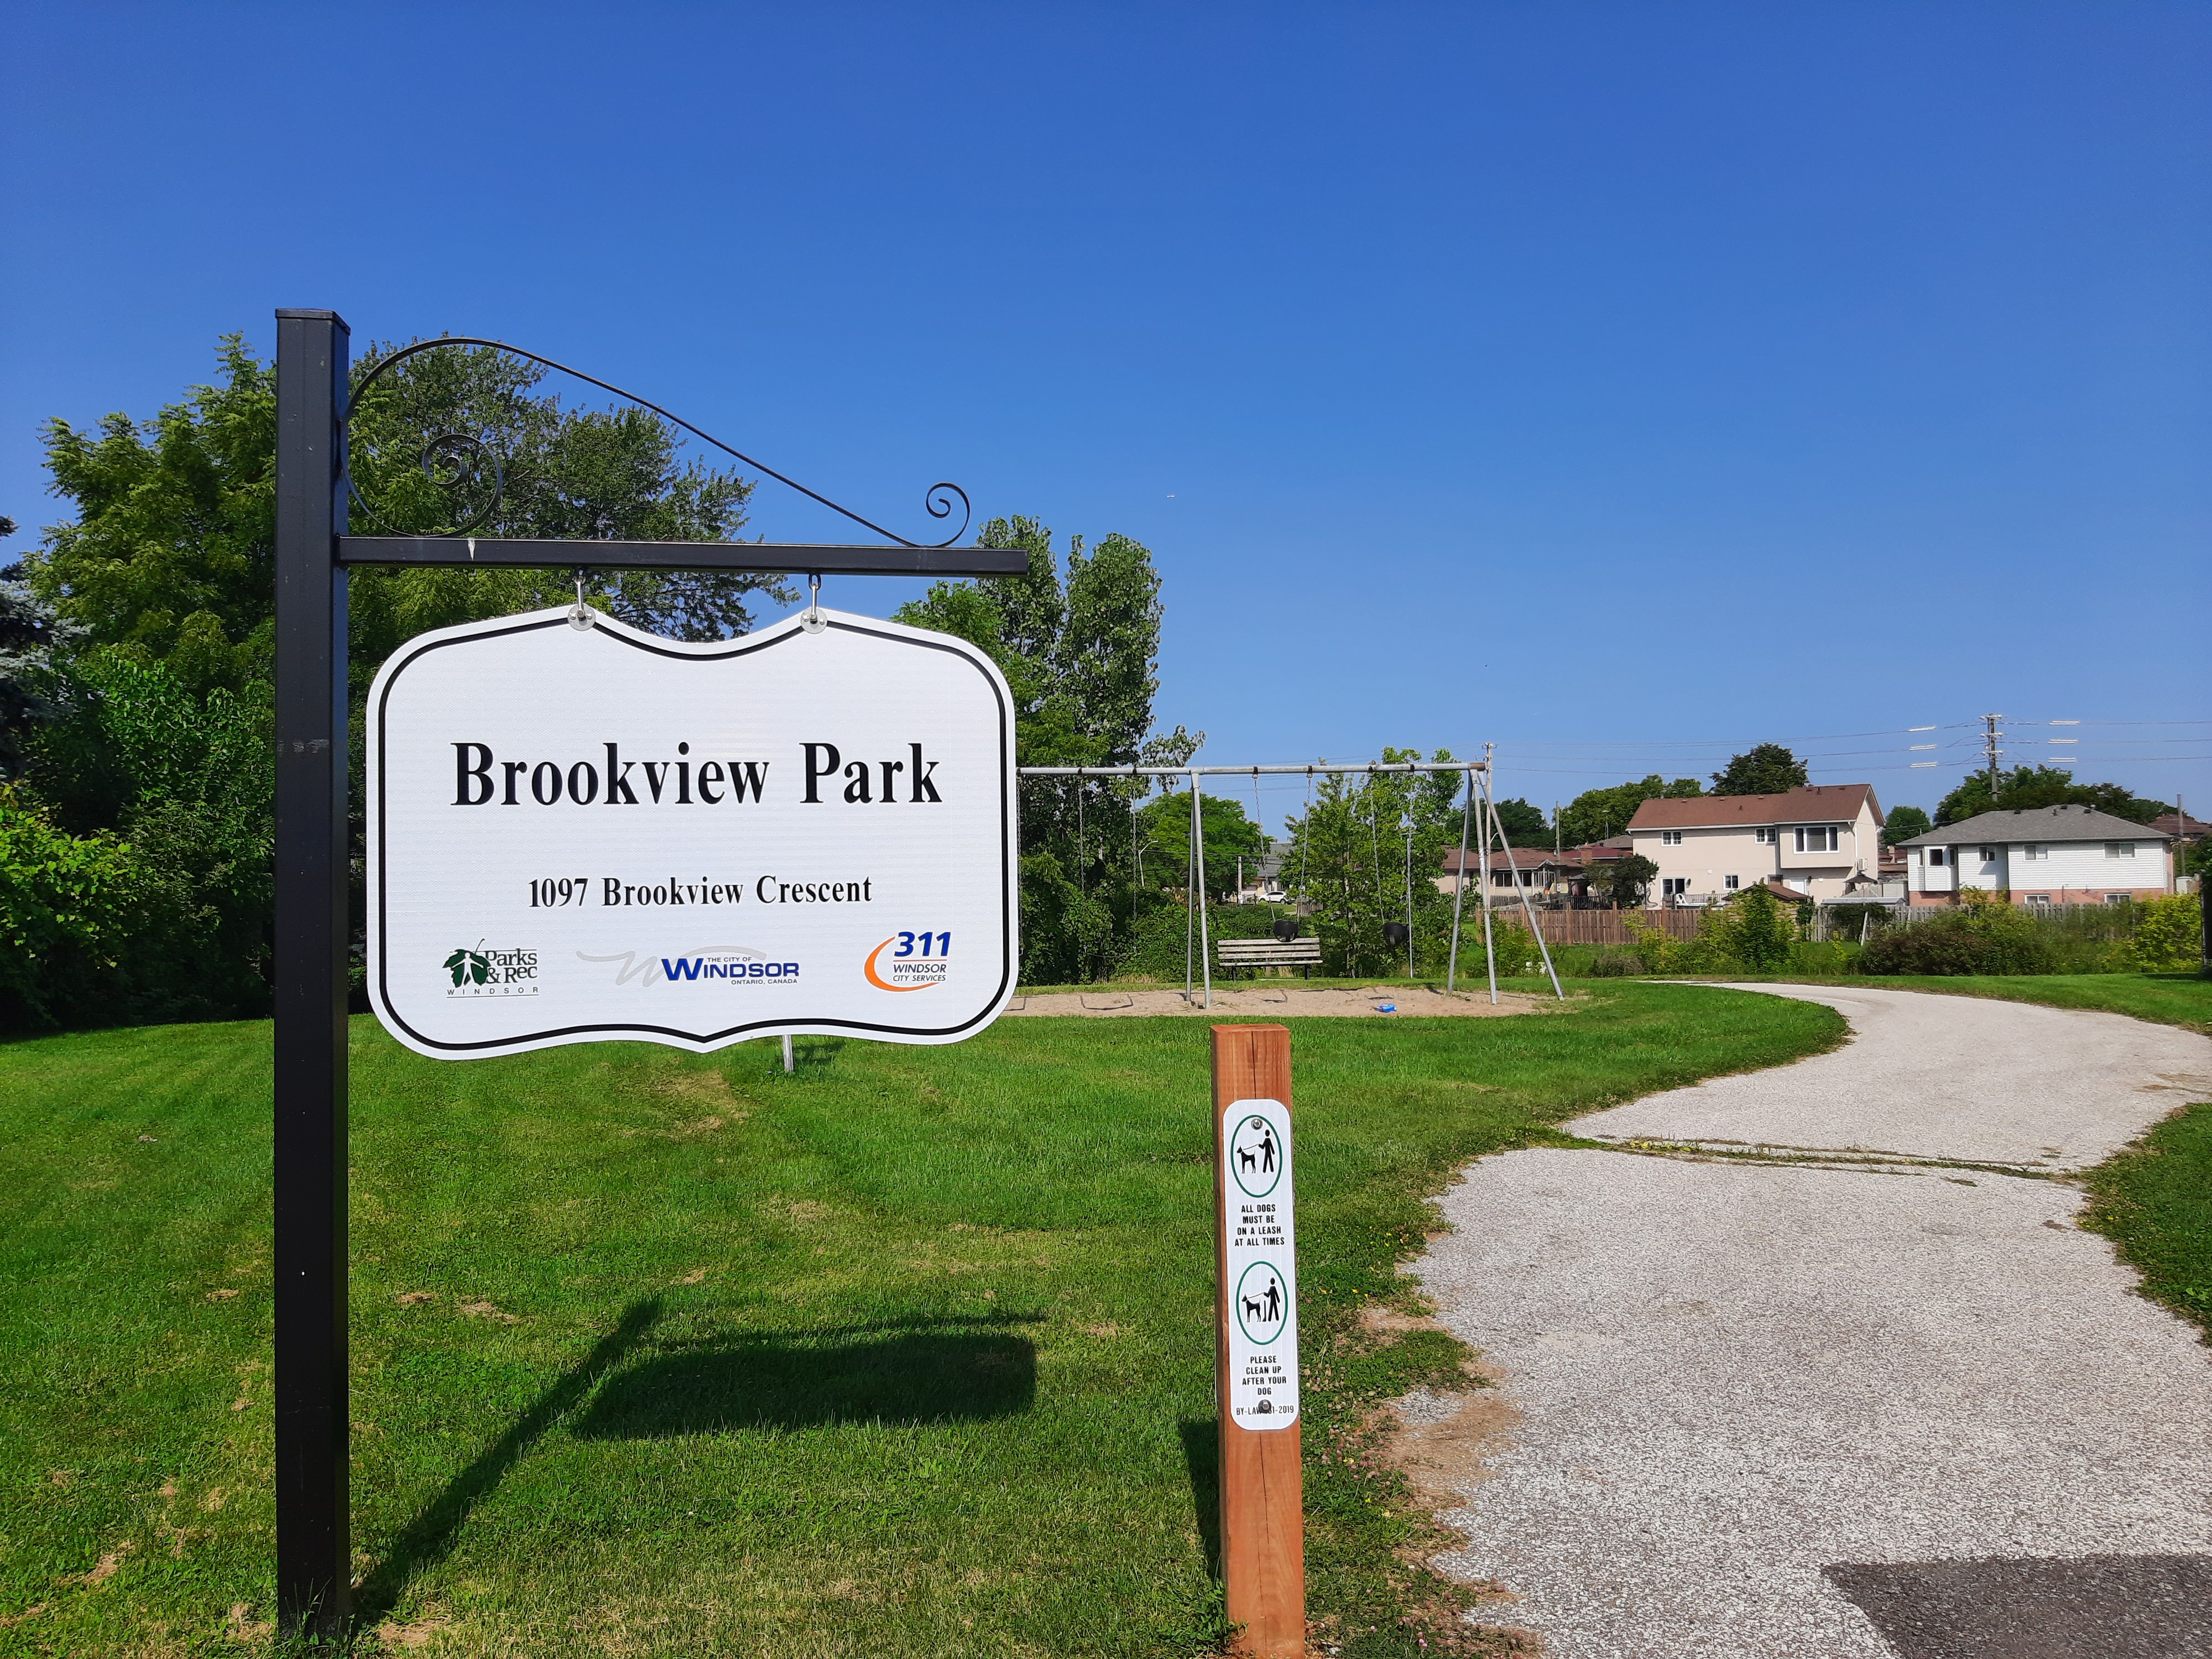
(486, 973)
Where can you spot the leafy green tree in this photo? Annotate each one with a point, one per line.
(170, 555)
(2028, 786)
(1903, 823)
(1768, 769)
(185, 782)
(1524, 825)
(1163, 829)
(1354, 853)
(1080, 651)
(32, 692)
(143, 712)
(1624, 881)
(72, 911)
(1597, 813)
(561, 472)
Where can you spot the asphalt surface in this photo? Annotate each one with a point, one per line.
(1776, 1409)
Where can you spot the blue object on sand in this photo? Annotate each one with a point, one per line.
(1386, 1007)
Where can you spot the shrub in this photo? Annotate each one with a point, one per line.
(2168, 939)
(1984, 935)
(70, 909)
(1750, 933)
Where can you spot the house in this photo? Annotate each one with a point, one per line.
(1546, 876)
(1810, 841)
(2180, 825)
(1259, 878)
(2042, 855)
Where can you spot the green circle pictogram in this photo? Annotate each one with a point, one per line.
(1264, 1158)
(1273, 1282)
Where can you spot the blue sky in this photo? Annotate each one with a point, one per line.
(1623, 384)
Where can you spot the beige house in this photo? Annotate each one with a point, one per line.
(1812, 839)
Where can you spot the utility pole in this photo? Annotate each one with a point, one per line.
(1990, 721)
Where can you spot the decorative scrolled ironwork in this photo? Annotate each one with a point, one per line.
(453, 461)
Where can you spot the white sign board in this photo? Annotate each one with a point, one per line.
(1260, 1245)
(580, 834)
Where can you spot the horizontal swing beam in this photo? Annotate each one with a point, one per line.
(754, 558)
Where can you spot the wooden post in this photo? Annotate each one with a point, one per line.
(1262, 1517)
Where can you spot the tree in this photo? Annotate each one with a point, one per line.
(168, 798)
(33, 693)
(1596, 813)
(1903, 823)
(1768, 769)
(1349, 860)
(2025, 787)
(133, 672)
(1625, 881)
(1080, 654)
(170, 556)
(1163, 827)
(1524, 825)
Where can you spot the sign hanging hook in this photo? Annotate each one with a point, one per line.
(812, 618)
(581, 615)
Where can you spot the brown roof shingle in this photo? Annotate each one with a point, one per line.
(1814, 802)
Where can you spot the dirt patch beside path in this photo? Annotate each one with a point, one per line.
(1280, 1000)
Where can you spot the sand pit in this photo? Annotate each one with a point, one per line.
(1278, 999)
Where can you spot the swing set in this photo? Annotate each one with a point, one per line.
(1477, 806)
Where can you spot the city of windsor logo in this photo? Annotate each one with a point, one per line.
(486, 972)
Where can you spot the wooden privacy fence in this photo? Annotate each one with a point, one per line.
(1584, 926)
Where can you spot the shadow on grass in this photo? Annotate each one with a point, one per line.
(921, 1373)
(427, 1538)
(1201, 1456)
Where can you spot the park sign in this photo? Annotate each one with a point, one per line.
(580, 831)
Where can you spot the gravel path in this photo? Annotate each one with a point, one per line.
(1780, 1410)
(1945, 1076)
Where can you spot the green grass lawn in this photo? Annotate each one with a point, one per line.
(2155, 1201)
(910, 1354)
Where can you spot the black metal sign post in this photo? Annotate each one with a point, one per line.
(314, 405)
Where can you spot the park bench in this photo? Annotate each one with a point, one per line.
(1300, 953)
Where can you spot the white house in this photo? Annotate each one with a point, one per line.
(2042, 855)
(1812, 839)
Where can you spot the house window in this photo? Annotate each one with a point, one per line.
(2042, 899)
(1817, 840)
(1674, 886)
(1935, 857)
(1728, 881)
(2118, 898)
(1670, 838)
(2035, 850)
(1763, 835)
(1989, 855)
(2118, 849)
